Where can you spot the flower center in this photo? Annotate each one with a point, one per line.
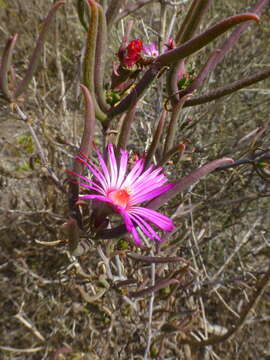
(120, 197)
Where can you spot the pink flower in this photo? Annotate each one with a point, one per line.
(124, 190)
(150, 50)
(170, 44)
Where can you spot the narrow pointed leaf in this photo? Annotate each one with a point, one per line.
(82, 11)
(126, 126)
(100, 57)
(180, 185)
(173, 124)
(174, 74)
(89, 60)
(148, 291)
(156, 138)
(228, 89)
(157, 259)
(89, 124)
(36, 53)
(5, 66)
(187, 181)
(88, 131)
(85, 148)
(203, 39)
(90, 56)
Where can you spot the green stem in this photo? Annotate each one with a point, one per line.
(5, 66)
(100, 57)
(90, 55)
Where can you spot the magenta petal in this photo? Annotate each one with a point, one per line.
(96, 172)
(147, 175)
(149, 195)
(97, 198)
(122, 167)
(122, 190)
(136, 237)
(146, 228)
(113, 165)
(80, 176)
(134, 173)
(150, 50)
(130, 227)
(94, 187)
(161, 221)
(127, 219)
(104, 168)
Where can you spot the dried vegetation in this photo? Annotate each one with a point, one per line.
(95, 304)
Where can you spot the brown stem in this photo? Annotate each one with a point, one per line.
(179, 148)
(148, 291)
(156, 138)
(157, 259)
(126, 126)
(173, 123)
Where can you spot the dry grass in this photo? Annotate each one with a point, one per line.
(58, 305)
